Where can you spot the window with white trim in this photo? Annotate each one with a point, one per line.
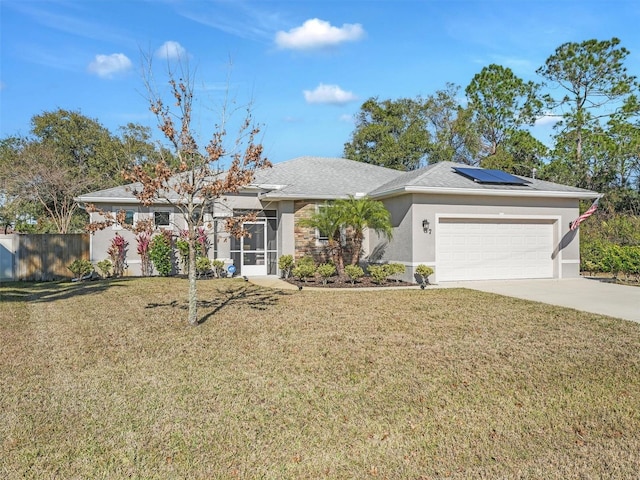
(162, 219)
(129, 218)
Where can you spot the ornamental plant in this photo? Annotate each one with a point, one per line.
(394, 269)
(285, 264)
(80, 268)
(218, 267)
(423, 272)
(182, 245)
(378, 273)
(353, 273)
(144, 244)
(203, 265)
(326, 270)
(104, 266)
(305, 269)
(183, 250)
(117, 251)
(161, 253)
(203, 241)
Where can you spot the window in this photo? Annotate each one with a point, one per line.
(206, 221)
(195, 216)
(162, 219)
(321, 238)
(129, 217)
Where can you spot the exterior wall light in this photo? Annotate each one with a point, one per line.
(425, 226)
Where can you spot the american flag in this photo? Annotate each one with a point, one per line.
(576, 223)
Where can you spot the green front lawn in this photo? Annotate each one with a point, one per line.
(106, 380)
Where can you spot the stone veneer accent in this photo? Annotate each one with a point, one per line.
(305, 242)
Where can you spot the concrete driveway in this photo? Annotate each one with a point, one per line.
(588, 295)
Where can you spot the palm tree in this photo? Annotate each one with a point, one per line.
(360, 214)
(328, 221)
(350, 216)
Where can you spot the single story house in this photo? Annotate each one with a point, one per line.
(466, 223)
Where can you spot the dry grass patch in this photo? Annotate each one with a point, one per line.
(106, 380)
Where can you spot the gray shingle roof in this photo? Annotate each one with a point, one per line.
(330, 178)
(121, 192)
(318, 177)
(442, 177)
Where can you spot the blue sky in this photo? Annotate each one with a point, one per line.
(305, 65)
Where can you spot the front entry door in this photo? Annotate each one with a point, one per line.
(254, 249)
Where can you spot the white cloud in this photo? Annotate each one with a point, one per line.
(171, 50)
(547, 119)
(316, 33)
(347, 118)
(107, 66)
(331, 94)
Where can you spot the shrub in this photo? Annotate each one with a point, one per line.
(161, 253)
(80, 268)
(285, 263)
(307, 260)
(592, 254)
(394, 269)
(182, 246)
(353, 272)
(203, 244)
(304, 270)
(117, 251)
(633, 261)
(218, 267)
(613, 259)
(423, 272)
(105, 267)
(378, 273)
(144, 242)
(203, 265)
(325, 271)
(599, 256)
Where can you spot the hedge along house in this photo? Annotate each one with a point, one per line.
(466, 223)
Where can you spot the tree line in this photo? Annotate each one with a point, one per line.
(584, 89)
(64, 155)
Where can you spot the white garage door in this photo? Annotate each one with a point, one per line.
(472, 249)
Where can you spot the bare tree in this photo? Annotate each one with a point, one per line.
(201, 175)
(43, 178)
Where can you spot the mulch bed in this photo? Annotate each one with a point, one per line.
(339, 282)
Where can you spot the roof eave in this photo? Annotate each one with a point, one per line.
(121, 200)
(300, 196)
(493, 193)
(88, 199)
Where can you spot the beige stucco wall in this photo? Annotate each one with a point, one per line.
(286, 227)
(400, 248)
(412, 246)
(101, 239)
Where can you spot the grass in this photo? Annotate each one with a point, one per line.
(105, 380)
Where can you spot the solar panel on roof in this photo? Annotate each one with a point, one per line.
(483, 175)
(477, 174)
(507, 177)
